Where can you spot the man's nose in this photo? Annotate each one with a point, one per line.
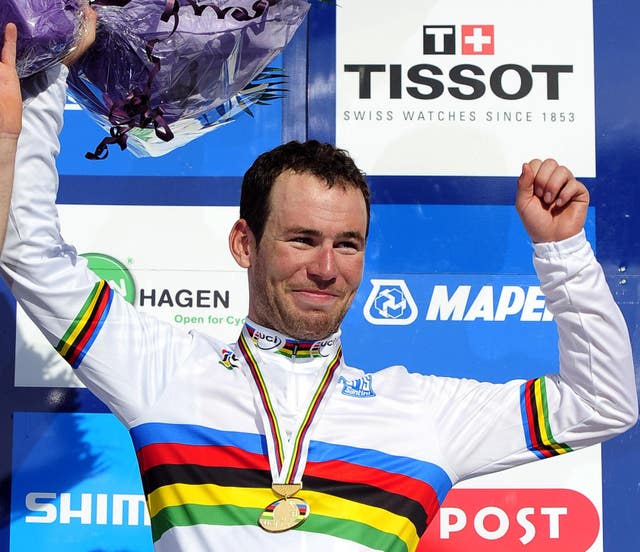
(324, 263)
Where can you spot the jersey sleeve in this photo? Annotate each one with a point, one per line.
(486, 427)
(125, 358)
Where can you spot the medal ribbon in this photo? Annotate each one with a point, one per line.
(299, 440)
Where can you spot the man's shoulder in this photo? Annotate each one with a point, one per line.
(391, 377)
(206, 343)
(394, 371)
(395, 383)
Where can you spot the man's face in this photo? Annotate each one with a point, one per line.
(304, 274)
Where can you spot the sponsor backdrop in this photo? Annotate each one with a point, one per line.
(481, 83)
(440, 102)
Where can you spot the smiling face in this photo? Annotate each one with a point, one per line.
(304, 273)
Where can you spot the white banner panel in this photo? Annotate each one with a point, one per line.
(464, 87)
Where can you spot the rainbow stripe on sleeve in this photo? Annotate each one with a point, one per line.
(535, 419)
(194, 475)
(80, 335)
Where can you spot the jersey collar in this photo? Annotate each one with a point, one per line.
(271, 341)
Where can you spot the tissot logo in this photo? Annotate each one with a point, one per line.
(460, 76)
(474, 40)
(465, 81)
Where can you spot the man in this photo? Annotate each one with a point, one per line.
(254, 445)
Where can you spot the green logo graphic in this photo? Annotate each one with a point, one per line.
(114, 272)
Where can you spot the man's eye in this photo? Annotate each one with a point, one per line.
(348, 245)
(302, 239)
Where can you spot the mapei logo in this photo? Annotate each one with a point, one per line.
(474, 40)
(390, 303)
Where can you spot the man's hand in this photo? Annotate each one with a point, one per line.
(550, 201)
(87, 36)
(10, 97)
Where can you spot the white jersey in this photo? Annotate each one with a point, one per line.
(385, 448)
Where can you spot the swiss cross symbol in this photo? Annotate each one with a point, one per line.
(477, 39)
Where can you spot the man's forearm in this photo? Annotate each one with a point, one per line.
(10, 122)
(8, 145)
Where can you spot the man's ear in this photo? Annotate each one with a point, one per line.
(242, 243)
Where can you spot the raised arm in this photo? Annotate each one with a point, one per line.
(595, 352)
(124, 357)
(10, 122)
(11, 106)
(489, 427)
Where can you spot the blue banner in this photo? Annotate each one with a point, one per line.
(76, 484)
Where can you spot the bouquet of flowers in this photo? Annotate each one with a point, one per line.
(163, 72)
(47, 30)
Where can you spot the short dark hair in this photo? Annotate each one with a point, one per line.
(333, 165)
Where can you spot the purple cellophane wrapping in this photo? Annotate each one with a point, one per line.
(193, 72)
(47, 30)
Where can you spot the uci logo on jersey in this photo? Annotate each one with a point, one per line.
(229, 360)
(390, 303)
(323, 348)
(266, 341)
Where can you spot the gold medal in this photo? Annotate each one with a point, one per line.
(286, 512)
(287, 458)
